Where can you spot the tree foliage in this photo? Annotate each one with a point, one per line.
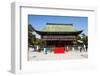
(31, 37)
(83, 38)
(32, 40)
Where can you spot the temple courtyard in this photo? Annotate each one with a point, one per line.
(35, 56)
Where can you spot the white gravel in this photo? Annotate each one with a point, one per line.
(51, 56)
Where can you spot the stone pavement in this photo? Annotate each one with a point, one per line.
(51, 56)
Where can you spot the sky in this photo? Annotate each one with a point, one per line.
(39, 21)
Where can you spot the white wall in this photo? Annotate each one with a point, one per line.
(5, 42)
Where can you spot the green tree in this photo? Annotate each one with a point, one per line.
(32, 40)
(84, 39)
(31, 37)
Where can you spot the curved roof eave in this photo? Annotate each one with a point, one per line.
(62, 33)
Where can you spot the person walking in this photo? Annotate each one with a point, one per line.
(80, 48)
(45, 50)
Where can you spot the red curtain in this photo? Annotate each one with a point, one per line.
(59, 50)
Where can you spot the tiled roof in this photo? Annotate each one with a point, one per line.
(56, 27)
